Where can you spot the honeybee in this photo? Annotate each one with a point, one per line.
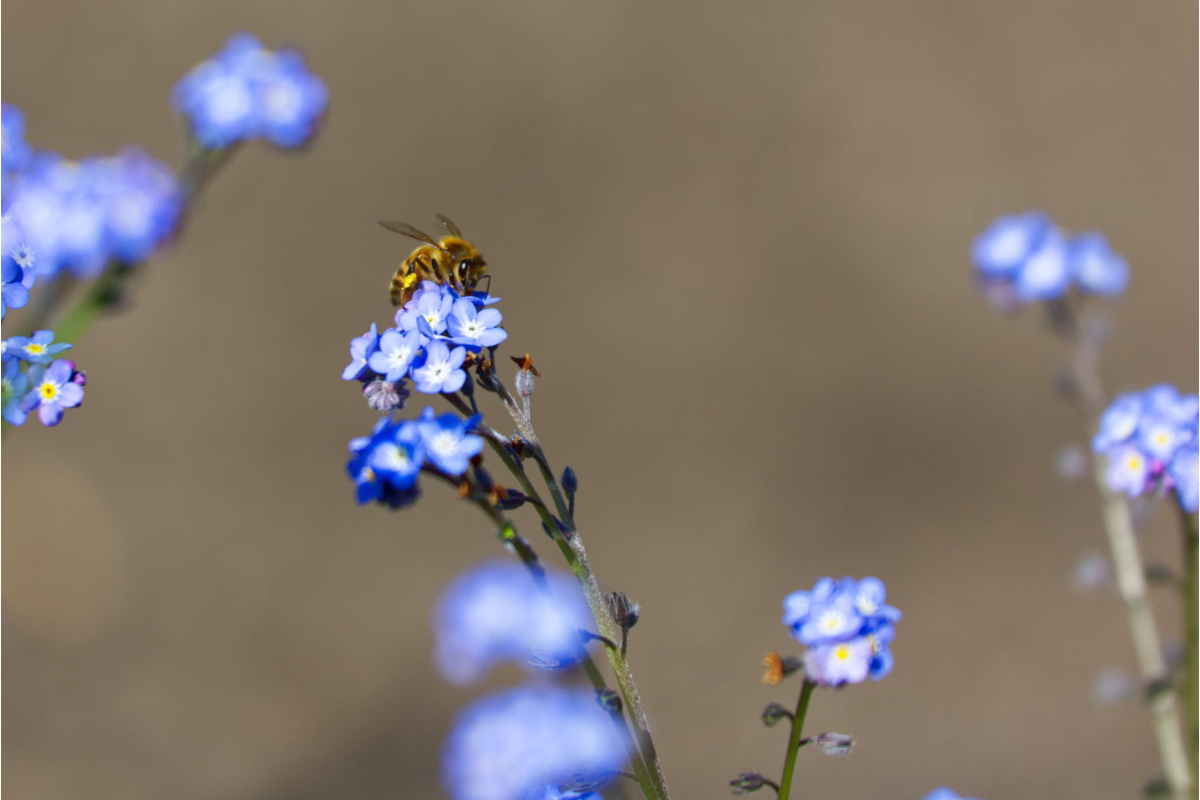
(451, 260)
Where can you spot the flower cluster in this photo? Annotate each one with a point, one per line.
(385, 465)
(49, 386)
(15, 152)
(495, 612)
(1026, 258)
(81, 215)
(847, 627)
(530, 743)
(942, 793)
(17, 273)
(246, 92)
(1149, 440)
(434, 332)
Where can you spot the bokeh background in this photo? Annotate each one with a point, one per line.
(733, 236)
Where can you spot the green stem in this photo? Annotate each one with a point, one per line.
(794, 742)
(524, 550)
(1191, 636)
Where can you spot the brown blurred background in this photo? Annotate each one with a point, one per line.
(733, 237)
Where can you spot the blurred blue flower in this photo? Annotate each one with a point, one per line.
(836, 664)
(1002, 250)
(36, 349)
(1045, 275)
(361, 350)
(474, 328)
(15, 386)
(1095, 267)
(51, 391)
(510, 743)
(1183, 473)
(1025, 258)
(15, 153)
(495, 612)
(942, 793)
(441, 370)
(246, 91)
(396, 354)
(81, 215)
(13, 292)
(448, 445)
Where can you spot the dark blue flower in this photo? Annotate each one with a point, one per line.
(395, 485)
(397, 455)
(37, 349)
(448, 445)
(51, 391)
(361, 350)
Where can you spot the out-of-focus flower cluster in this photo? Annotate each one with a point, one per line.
(1149, 440)
(247, 92)
(495, 612)
(434, 332)
(1026, 258)
(34, 380)
(531, 743)
(79, 216)
(847, 627)
(942, 793)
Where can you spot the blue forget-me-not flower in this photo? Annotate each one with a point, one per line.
(37, 349)
(51, 391)
(496, 612)
(246, 92)
(848, 628)
(510, 743)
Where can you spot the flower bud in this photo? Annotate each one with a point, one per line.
(609, 700)
(525, 383)
(833, 744)
(624, 611)
(385, 397)
(773, 714)
(747, 782)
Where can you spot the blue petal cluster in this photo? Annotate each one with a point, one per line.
(419, 347)
(386, 464)
(1149, 441)
(942, 793)
(247, 92)
(1025, 258)
(495, 612)
(847, 627)
(514, 744)
(47, 388)
(80, 215)
(15, 153)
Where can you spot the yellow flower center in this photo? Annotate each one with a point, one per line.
(841, 652)
(48, 391)
(35, 349)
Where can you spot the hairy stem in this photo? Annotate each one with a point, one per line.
(1083, 362)
(571, 545)
(795, 741)
(1191, 637)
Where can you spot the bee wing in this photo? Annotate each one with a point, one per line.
(404, 229)
(449, 225)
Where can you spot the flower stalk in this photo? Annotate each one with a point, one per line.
(795, 741)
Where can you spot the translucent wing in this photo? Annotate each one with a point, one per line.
(450, 226)
(404, 229)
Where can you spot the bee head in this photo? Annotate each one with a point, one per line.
(469, 271)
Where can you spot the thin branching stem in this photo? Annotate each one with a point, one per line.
(1083, 363)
